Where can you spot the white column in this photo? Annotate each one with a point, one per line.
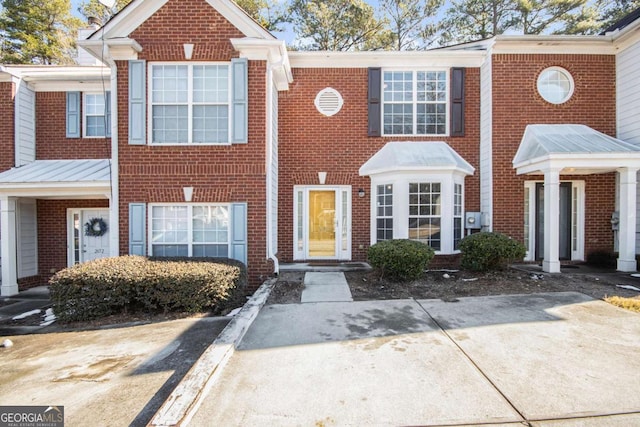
(627, 225)
(551, 262)
(8, 248)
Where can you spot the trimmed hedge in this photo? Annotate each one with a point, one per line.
(489, 251)
(400, 259)
(135, 283)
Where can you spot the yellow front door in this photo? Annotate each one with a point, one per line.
(322, 223)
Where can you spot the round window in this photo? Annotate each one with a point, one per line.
(555, 85)
(328, 101)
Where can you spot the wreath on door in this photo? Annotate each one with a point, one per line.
(95, 227)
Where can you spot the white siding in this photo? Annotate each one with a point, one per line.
(486, 151)
(27, 234)
(628, 108)
(25, 125)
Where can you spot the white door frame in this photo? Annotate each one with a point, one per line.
(577, 219)
(71, 246)
(342, 223)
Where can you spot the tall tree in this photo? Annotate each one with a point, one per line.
(95, 9)
(614, 10)
(268, 13)
(469, 20)
(536, 16)
(37, 32)
(411, 21)
(584, 20)
(337, 25)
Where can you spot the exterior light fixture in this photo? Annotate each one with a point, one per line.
(361, 192)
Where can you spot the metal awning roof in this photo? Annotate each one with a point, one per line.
(58, 178)
(415, 156)
(572, 148)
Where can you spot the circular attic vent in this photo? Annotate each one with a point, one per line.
(328, 101)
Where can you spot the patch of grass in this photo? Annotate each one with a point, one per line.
(632, 304)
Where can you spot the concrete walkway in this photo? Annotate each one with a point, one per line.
(326, 287)
(552, 360)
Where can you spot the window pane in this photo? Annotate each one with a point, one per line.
(170, 84)
(424, 213)
(95, 126)
(169, 250)
(210, 124)
(170, 124)
(169, 224)
(211, 84)
(384, 221)
(210, 224)
(214, 251)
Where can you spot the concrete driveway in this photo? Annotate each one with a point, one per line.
(558, 359)
(108, 377)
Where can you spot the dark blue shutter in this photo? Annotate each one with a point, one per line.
(375, 113)
(73, 114)
(137, 103)
(457, 101)
(239, 100)
(137, 229)
(107, 114)
(239, 232)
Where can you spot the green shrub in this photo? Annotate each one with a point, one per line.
(489, 251)
(133, 283)
(400, 259)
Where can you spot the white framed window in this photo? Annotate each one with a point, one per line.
(415, 102)
(384, 212)
(425, 213)
(190, 103)
(457, 215)
(189, 230)
(424, 206)
(555, 85)
(94, 115)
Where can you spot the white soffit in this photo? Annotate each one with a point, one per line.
(572, 148)
(415, 156)
(534, 44)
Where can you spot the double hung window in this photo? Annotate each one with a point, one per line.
(190, 103)
(415, 102)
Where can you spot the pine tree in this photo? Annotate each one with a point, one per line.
(340, 25)
(37, 32)
(411, 21)
(95, 9)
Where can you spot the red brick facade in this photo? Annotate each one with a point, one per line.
(7, 123)
(516, 103)
(51, 134)
(310, 142)
(218, 174)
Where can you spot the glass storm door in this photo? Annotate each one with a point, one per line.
(323, 223)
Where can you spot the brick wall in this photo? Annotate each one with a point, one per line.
(52, 232)
(516, 103)
(51, 134)
(7, 135)
(310, 142)
(218, 174)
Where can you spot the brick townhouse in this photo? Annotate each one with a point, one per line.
(189, 130)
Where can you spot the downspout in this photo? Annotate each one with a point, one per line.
(114, 203)
(269, 153)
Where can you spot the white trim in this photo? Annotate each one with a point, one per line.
(342, 253)
(189, 243)
(406, 59)
(189, 104)
(273, 51)
(400, 181)
(564, 73)
(414, 101)
(553, 44)
(578, 253)
(84, 114)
